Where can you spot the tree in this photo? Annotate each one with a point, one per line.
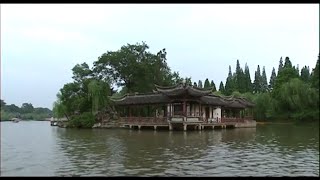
(3, 104)
(305, 74)
(221, 87)
(247, 79)
(213, 86)
(287, 73)
(98, 93)
(257, 81)
(12, 108)
(287, 63)
(298, 100)
(59, 110)
(195, 84)
(175, 79)
(27, 108)
(272, 78)
(81, 72)
(206, 83)
(264, 82)
(135, 68)
(199, 84)
(229, 87)
(315, 75)
(297, 70)
(280, 65)
(188, 81)
(240, 82)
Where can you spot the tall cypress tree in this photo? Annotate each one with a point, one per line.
(240, 79)
(257, 81)
(221, 88)
(247, 79)
(200, 84)
(272, 78)
(315, 75)
(287, 63)
(264, 82)
(213, 86)
(305, 74)
(206, 83)
(229, 88)
(280, 65)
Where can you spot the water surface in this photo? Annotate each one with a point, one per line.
(34, 148)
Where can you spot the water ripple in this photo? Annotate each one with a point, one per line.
(262, 151)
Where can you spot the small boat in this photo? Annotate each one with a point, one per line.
(15, 120)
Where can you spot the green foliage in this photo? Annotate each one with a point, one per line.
(98, 93)
(195, 84)
(218, 93)
(263, 103)
(236, 94)
(230, 83)
(287, 63)
(240, 79)
(221, 88)
(272, 78)
(188, 81)
(200, 84)
(305, 74)
(257, 81)
(315, 75)
(284, 76)
(26, 112)
(135, 68)
(247, 79)
(280, 65)
(213, 86)
(206, 84)
(59, 110)
(6, 116)
(84, 120)
(12, 108)
(292, 96)
(3, 104)
(264, 82)
(27, 108)
(81, 72)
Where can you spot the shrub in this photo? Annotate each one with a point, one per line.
(84, 120)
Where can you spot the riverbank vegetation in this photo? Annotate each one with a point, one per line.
(290, 94)
(25, 112)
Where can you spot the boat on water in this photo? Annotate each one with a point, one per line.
(15, 120)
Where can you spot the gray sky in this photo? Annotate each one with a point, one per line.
(40, 43)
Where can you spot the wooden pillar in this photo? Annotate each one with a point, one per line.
(170, 127)
(148, 111)
(200, 110)
(184, 127)
(155, 127)
(184, 108)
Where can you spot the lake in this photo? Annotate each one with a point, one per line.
(34, 148)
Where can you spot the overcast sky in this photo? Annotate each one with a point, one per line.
(40, 43)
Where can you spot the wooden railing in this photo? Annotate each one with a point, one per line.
(144, 120)
(189, 114)
(163, 120)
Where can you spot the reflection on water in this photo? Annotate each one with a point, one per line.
(36, 148)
